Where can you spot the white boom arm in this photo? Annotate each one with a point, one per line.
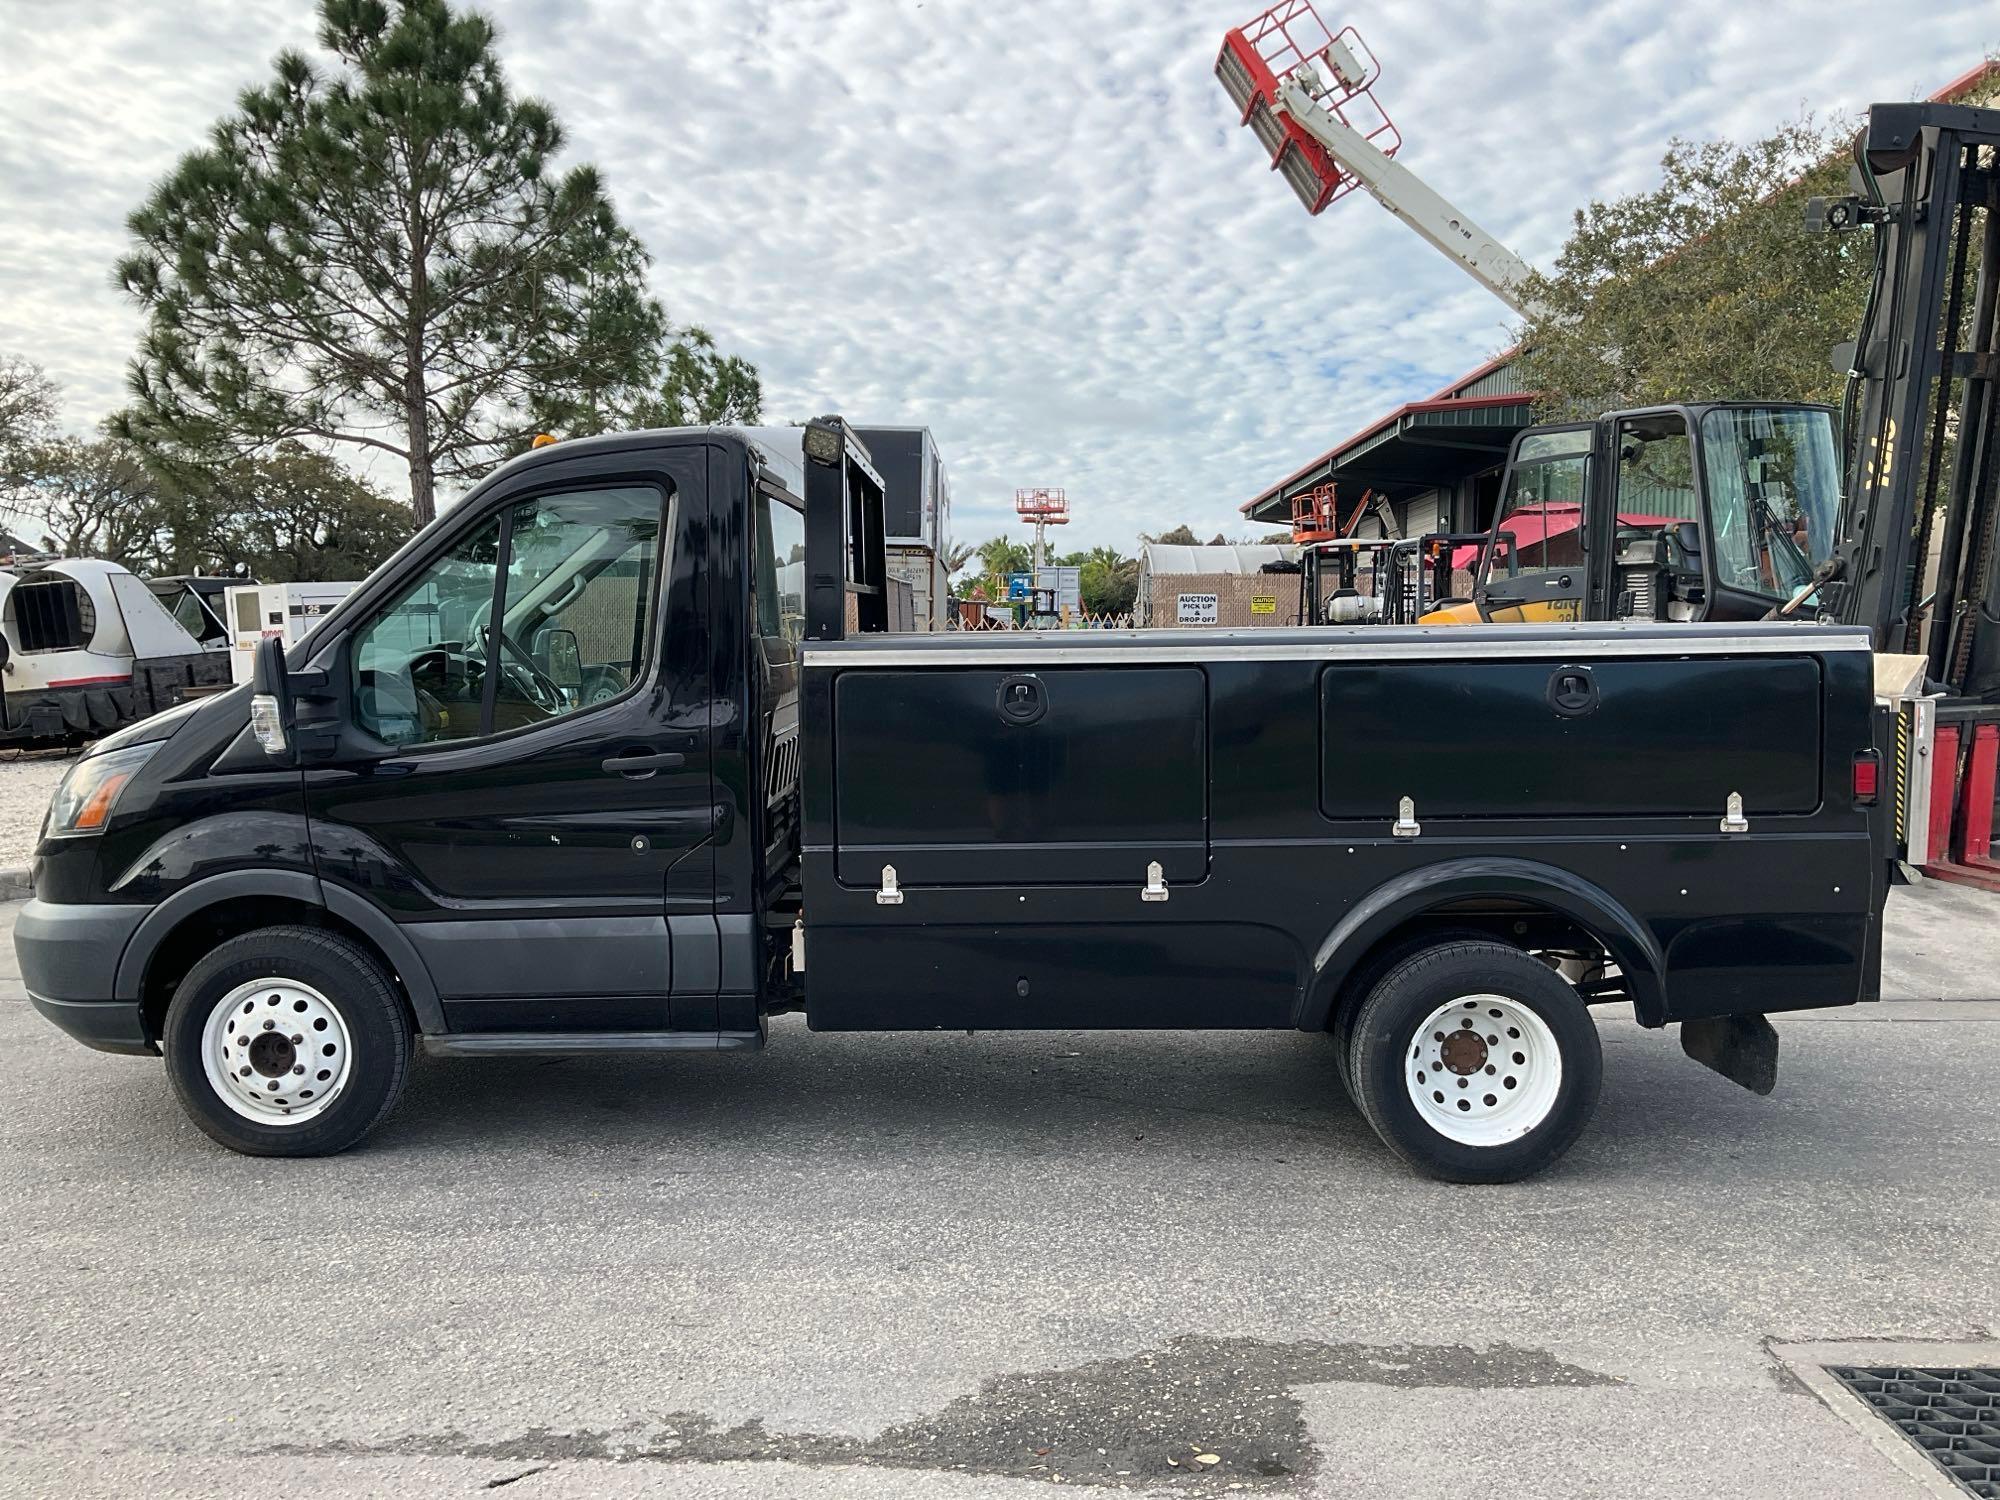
(1410, 199)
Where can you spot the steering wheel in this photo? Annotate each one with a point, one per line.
(453, 668)
(542, 690)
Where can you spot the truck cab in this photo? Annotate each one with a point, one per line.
(544, 762)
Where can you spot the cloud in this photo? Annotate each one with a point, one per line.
(1032, 225)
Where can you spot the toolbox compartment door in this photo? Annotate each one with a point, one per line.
(1062, 776)
(1563, 739)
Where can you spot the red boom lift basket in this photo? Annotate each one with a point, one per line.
(1284, 39)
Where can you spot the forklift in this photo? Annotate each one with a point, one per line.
(1913, 558)
(1423, 571)
(1385, 580)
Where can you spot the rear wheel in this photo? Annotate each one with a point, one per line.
(1475, 1062)
(287, 1041)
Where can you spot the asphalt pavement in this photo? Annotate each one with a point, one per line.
(958, 1266)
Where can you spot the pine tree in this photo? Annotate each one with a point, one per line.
(380, 253)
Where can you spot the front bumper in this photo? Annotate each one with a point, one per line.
(69, 964)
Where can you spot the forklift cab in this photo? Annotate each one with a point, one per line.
(1717, 511)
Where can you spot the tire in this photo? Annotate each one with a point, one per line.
(1367, 974)
(601, 685)
(328, 1047)
(1540, 1063)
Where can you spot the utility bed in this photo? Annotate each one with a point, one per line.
(1199, 828)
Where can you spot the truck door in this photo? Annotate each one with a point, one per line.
(525, 781)
(1536, 567)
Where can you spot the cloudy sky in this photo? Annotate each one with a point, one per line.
(1031, 224)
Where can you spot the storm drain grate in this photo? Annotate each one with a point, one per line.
(1952, 1414)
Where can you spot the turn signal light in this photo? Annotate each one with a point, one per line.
(97, 806)
(1867, 776)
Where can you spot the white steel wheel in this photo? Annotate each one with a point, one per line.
(276, 1051)
(1483, 1070)
(287, 1041)
(1440, 1038)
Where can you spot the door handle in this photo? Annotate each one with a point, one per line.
(645, 763)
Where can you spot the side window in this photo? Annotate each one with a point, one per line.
(575, 627)
(420, 665)
(576, 622)
(1543, 517)
(1655, 479)
(778, 581)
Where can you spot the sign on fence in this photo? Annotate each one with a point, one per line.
(1196, 609)
(1263, 604)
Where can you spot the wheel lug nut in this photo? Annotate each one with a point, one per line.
(300, 1068)
(298, 1041)
(268, 1025)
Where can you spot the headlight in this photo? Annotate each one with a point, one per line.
(85, 800)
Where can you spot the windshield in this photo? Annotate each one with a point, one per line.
(1773, 495)
(193, 617)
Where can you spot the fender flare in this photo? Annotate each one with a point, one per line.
(293, 885)
(1629, 942)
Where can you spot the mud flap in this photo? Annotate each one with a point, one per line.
(1743, 1049)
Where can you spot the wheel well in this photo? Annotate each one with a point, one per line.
(201, 932)
(1541, 930)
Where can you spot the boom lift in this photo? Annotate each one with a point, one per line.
(1327, 135)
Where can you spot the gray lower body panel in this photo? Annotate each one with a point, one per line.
(72, 952)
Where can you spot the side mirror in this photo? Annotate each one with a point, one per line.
(271, 697)
(565, 659)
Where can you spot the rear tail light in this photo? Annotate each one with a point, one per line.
(1867, 777)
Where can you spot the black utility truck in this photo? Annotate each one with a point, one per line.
(615, 757)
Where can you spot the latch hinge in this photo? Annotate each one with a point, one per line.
(1155, 888)
(1733, 820)
(1407, 826)
(889, 895)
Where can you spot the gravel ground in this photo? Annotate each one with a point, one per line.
(28, 778)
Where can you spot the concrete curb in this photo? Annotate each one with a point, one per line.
(15, 884)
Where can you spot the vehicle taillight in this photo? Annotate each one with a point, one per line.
(1867, 776)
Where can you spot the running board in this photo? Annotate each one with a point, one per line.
(586, 1043)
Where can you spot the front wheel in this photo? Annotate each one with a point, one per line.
(287, 1041)
(1475, 1062)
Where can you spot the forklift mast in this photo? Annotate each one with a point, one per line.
(1921, 422)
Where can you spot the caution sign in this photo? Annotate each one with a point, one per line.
(1196, 609)
(1263, 604)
